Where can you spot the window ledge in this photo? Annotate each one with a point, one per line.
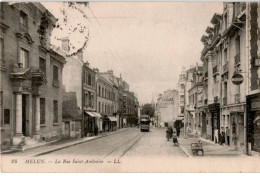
(55, 124)
(42, 125)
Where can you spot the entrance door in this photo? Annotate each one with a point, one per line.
(67, 129)
(24, 114)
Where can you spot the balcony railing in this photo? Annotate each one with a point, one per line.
(237, 59)
(225, 67)
(2, 64)
(224, 101)
(237, 98)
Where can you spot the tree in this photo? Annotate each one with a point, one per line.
(148, 110)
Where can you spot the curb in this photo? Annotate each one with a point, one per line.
(79, 142)
(76, 143)
(185, 151)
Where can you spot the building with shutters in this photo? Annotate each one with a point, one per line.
(31, 76)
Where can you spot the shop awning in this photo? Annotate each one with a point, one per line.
(179, 118)
(91, 114)
(113, 119)
(98, 115)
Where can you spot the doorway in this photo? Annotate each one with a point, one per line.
(24, 114)
(67, 129)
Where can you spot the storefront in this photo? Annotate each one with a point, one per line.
(89, 123)
(253, 123)
(214, 110)
(203, 123)
(112, 123)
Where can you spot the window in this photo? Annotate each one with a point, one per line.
(92, 101)
(99, 106)
(225, 56)
(23, 21)
(99, 90)
(89, 99)
(102, 107)
(225, 20)
(102, 92)
(42, 65)
(42, 110)
(1, 108)
(89, 79)
(6, 116)
(86, 77)
(55, 73)
(93, 81)
(86, 99)
(55, 111)
(24, 58)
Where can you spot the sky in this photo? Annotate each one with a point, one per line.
(148, 43)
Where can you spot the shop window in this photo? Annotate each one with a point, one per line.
(6, 116)
(55, 111)
(24, 58)
(42, 110)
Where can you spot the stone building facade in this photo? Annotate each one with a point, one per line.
(31, 76)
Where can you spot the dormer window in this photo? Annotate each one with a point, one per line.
(23, 21)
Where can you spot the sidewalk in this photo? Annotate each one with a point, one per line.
(210, 148)
(60, 144)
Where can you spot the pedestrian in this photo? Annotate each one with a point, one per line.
(174, 138)
(228, 135)
(222, 134)
(168, 131)
(96, 130)
(216, 135)
(178, 132)
(171, 132)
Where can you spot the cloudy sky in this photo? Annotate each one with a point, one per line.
(147, 42)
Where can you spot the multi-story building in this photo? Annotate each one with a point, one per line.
(195, 99)
(109, 75)
(31, 76)
(105, 103)
(89, 101)
(129, 107)
(72, 81)
(181, 91)
(224, 59)
(167, 107)
(253, 98)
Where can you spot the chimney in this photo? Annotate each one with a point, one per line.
(65, 44)
(86, 64)
(80, 55)
(110, 72)
(96, 70)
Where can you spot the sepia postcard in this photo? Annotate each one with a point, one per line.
(123, 87)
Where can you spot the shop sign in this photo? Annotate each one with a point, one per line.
(255, 105)
(236, 109)
(237, 79)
